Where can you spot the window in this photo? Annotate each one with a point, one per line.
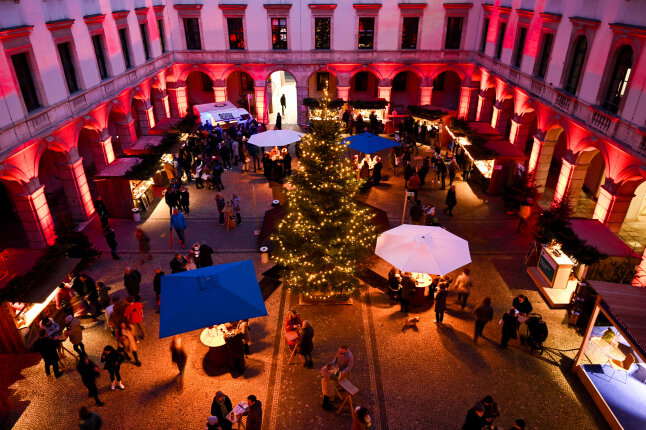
(144, 39)
(236, 33)
(578, 57)
(520, 46)
(279, 33)
(544, 55)
(399, 82)
(192, 33)
(500, 39)
(162, 34)
(438, 83)
(322, 33)
(619, 80)
(246, 84)
(68, 67)
(207, 83)
(125, 49)
(483, 37)
(361, 81)
(453, 32)
(25, 81)
(99, 52)
(366, 33)
(322, 79)
(409, 32)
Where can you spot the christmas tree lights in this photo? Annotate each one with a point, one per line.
(325, 235)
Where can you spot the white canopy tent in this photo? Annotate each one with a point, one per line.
(220, 113)
(275, 138)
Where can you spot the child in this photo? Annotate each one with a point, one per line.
(212, 423)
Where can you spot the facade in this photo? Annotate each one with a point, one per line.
(83, 80)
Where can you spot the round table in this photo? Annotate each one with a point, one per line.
(213, 337)
(422, 280)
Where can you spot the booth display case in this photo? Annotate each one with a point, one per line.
(122, 194)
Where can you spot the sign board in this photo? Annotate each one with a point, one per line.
(547, 266)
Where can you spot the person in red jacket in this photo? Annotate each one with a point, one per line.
(134, 315)
(293, 323)
(64, 298)
(413, 184)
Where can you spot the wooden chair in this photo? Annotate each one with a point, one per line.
(292, 338)
(621, 365)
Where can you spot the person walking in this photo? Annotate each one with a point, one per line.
(440, 302)
(108, 233)
(113, 360)
(171, 197)
(132, 282)
(254, 413)
(235, 206)
(157, 286)
(466, 169)
(127, 344)
(306, 344)
(220, 203)
(450, 201)
(442, 169)
(184, 200)
(144, 246)
(74, 332)
(89, 420)
(178, 354)
(407, 291)
(102, 211)
(453, 168)
(463, 284)
(283, 103)
(524, 213)
(279, 122)
(220, 408)
(48, 349)
(178, 221)
(134, 315)
(509, 327)
(89, 373)
(91, 295)
(361, 419)
(484, 314)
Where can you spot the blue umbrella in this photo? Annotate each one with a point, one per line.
(369, 143)
(209, 296)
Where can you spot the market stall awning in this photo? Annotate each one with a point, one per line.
(601, 237)
(483, 128)
(625, 304)
(505, 150)
(209, 296)
(273, 138)
(118, 168)
(369, 143)
(220, 112)
(46, 286)
(144, 145)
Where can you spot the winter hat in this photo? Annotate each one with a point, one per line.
(69, 318)
(479, 407)
(212, 420)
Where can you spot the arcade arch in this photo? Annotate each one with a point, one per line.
(406, 88)
(446, 90)
(281, 83)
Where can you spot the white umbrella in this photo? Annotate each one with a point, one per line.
(422, 249)
(275, 138)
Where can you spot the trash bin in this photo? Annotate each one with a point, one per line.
(275, 203)
(264, 254)
(136, 216)
(573, 319)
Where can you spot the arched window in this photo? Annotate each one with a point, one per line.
(578, 57)
(619, 79)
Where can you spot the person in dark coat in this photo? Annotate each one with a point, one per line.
(171, 198)
(266, 165)
(102, 211)
(376, 171)
(408, 289)
(113, 360)
(451, 201)
(509, 327)
(522, 305)
(306, 343)
(91, 294)
(475, 419)
(416, 213)
(287, 162)
(442, 170)
(89, 420)
(440, 302)
(178, 264)
(157, 285)
(484, 314)
(48, 349)
(77, 284)
(279, 122)
(220, 408)
(184, 200)
(235, 352)
(394, 283)
(132, 281)
(108, 233)
(89, 372)
(254, 413)
(220, 203)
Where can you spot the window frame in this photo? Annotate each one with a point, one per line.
(247, 88)
(319, 86)
(322, 11)
(500, 39)
(374, 32)
(456, 10)
(329, 18)
(519, 51)
(30, 60)
(416, 37)
(161, 32)
(241, 33)
(124, 38)
(188, 28)
(101, 38)
(365, 88)
(279, 26)
(543, 57)
(609, 78)
(396, 85)
(145, 40)
(484, 34)
(572, 62)
(72, 63)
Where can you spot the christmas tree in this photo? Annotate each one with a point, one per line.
(325, 235)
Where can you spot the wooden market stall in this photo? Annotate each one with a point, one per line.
(611, 360)
(144, 145)
(121, 194)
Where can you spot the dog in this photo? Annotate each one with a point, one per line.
(411, 323)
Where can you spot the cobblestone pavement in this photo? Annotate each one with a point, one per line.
(410, 379)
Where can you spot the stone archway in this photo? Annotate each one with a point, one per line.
(240, 90)
(199, 89)
(446, 90)
(406, 91)
(281, 83)
(363, 86)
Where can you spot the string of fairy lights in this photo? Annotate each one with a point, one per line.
(325, 235)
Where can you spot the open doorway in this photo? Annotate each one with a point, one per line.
(281, 84)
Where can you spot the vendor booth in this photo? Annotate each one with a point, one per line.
(557, 274)
(220, 113)
(611, 360)
(21, 311)
(121, 194)
(144, 145)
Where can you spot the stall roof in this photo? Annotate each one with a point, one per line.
(625, 304)
(40, 293)
(504, 149)
(483, 128)
(218, 112)
(118, 168)
(143, 143)
(598, 235)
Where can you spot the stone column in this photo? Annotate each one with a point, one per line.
(102, 151)
(162, 107)
(146, 118)
(301, 93)
(540, 159)
(611, 207)
(32, 209)
(570, 181)
(126, 132)
(468, 103)
(500, 118)
(260, 103)
(177, 100)
(75, 186)
(220, 90)
(343, 93)
(425, 96)
(518, 133)
(484, 107)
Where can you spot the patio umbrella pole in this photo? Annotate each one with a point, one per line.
(255, 209)
(404, 211)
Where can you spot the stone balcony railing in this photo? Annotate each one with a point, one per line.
(46, 120)
(598, 120)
